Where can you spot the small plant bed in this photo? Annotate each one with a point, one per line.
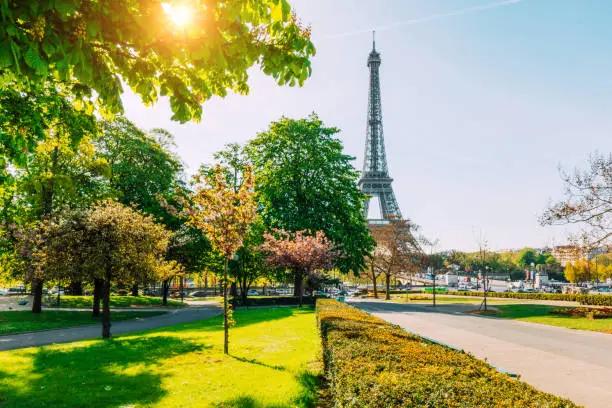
(24, 320)
(115, 301)
(274, 361)
(588, 312)
(371, 363)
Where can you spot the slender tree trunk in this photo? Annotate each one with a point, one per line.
(297, 284)
(37, 288)
(205, 283)
(165, 287)
(301, 287)
(135, 289)
(106, 324)
(374, 283)
(225, 328)
(388, 283)
(243, 291)
(76, 288)
(97, 295)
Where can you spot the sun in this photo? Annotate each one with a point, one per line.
(179, 14)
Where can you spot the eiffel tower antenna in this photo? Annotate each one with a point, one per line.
(375, 179)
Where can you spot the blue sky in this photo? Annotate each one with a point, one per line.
(479, 108)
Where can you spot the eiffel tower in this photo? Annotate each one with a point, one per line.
(375, 180)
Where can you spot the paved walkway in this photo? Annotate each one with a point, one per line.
(571, 363)
(92, 331)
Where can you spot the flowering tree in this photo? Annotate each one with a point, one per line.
(300, 252)
(224, 214)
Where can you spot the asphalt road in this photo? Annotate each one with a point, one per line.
(70, 334)
(571, 363)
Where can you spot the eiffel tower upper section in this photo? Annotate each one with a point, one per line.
(375, 179)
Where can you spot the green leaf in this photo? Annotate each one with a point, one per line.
(48, 48)
(65, 7)
(6, 60)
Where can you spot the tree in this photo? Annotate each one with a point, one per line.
(396, 250)
(306, 182)
(142, 166)
(300, 252)
(587, 203)
(101, 45)
(108, 242)
(570, 273)
(250, 263)
(46, 155)
(526, 257)
(224, 215)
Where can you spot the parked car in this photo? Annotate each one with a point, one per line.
(3, 292)
(198, 293)
(253, 292)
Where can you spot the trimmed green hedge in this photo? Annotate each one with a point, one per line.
(370, 363)
(583, 299)
(277, 301)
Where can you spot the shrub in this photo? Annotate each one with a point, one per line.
(371, 363)
(590, 312)
(278, 300)
(583, 299)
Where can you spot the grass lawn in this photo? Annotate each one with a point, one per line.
(441, 299)
(274, 362)
(24, 320)
(517, 309)
(540, 314)
(116, 301)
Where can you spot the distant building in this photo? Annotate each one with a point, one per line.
(571, 253)
(568, 253)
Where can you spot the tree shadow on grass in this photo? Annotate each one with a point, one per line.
(257, 362)
(308, 396)
(243, 317)
(104, 374)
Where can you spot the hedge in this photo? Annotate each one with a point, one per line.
(277, 301)
(583, 299)
(371, 363)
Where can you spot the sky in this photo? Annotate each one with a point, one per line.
(482, 102)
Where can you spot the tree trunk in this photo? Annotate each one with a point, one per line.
(37, 288)
(374, 283)
(97, 295)
(243, 291)
(225, 328)
(106, 324)
(205, 283)
(165, 287)
(300, 281)
(76, 288)
(388, 283)
(135, 289)
(297, 284)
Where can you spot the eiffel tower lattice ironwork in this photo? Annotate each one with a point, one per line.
(375, 179)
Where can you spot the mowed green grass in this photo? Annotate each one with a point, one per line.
(518, 309)
(274, 361)
(24, 320)
(541, 314)
(115, 301)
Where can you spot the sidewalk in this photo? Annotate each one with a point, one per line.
(70, 334)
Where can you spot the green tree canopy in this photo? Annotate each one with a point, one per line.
(142, 168)
(100, 44)
(305, 182)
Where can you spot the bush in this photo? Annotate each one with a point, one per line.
(277, 301)
(589, 312)
(371, 363)
(583, 299)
